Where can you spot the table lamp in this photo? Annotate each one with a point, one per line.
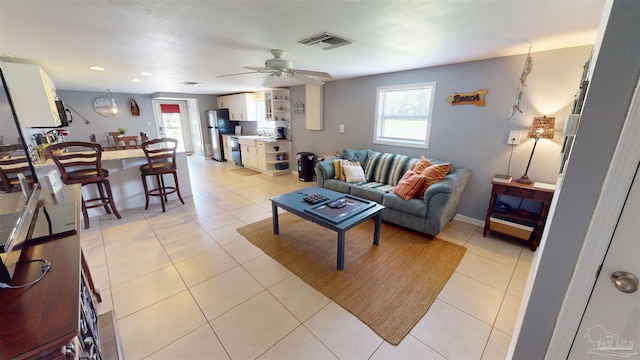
(541, 128)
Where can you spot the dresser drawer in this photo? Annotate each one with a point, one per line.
(522, 193)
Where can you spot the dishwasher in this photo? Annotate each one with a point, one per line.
(234, 145)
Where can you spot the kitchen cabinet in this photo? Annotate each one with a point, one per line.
(262, 156)
(249, 156)
(33, 94)
(313, 107)
(277, 105)
(274, 157)
(515, 222)
(226, 151)
(242, 107)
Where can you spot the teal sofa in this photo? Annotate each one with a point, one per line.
(428, 215)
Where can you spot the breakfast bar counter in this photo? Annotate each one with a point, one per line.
(124, 176)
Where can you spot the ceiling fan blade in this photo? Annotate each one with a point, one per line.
(269, 80)
(244, 73)
(306, 79)
(312, 73)
(260, 69)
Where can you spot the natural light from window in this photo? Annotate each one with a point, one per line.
(403, 114)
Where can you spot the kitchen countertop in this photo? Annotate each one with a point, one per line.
(106, 155)
(251, 139)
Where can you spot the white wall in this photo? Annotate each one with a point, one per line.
(615, 75)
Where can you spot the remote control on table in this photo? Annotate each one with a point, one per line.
(315, 198)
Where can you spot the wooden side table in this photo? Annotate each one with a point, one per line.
(514, 223)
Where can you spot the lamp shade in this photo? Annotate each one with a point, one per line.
(542, 128)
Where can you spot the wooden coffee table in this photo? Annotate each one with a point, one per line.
(359, 211)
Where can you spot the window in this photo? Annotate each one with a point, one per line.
(403, 114)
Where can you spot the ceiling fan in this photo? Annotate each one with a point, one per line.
(278, 67)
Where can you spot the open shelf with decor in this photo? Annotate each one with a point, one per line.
(277, 105)
(274, 157)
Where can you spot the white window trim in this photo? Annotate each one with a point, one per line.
(403, 142)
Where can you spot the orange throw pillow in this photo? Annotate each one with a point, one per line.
(409, 185)
(432, 175)
(422, 164)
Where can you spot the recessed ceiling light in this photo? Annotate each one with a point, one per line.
(145, 73)
(135, 80)
(192, 83)
(96, 68)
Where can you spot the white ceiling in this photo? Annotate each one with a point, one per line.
(193, 40)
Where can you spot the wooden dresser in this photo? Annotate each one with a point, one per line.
(55, 318)
(523, 226)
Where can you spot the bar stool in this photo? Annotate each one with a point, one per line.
(81, 163)
(112, 136)
(161, 160)
(13, 161)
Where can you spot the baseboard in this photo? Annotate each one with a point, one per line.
(469, 220)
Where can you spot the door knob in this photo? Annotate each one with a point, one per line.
(625, 282)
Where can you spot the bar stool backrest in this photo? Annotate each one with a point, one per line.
(112, 137)
(13, 161)
(161, 154)
(77, 157)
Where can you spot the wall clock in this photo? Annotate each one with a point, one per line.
(105, 106)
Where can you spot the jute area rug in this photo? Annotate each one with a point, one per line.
(245, 171)
(389, 287)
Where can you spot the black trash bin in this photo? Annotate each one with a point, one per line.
(306, 162)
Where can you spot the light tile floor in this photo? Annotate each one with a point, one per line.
(185, 285)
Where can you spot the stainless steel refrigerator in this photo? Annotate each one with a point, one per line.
(218, 124)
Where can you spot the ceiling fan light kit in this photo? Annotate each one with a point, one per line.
(277, 67)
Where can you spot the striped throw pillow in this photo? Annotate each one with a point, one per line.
(387, 168)
(409, 185)
(422, 164)
(432, 175)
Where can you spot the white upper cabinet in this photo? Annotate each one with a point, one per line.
(242, 107)
(277, 105)
(313, 108)
(33, 94)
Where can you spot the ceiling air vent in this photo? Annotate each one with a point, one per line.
(324, 39)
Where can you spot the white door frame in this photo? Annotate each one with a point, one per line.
(603, 223)
(187, 104)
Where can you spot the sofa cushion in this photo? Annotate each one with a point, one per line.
(432, 175)
(409, 185)
(357, 155)
(354, 174)
(368, 193)
(385, 188)
(412, 206)
(337, 185)
(387, 168)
